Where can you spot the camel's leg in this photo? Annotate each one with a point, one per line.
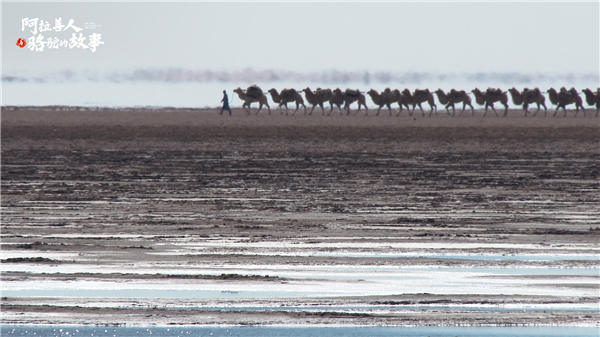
(260, 105)
(545, 109)
(494, 109)
(421, 108)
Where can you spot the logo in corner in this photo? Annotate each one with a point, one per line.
(21, 43)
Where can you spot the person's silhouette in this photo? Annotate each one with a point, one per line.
(225, 101)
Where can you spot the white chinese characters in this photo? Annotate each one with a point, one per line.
(44, 35)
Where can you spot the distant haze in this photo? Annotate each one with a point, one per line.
(185, 54)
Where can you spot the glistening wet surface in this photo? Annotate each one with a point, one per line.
(150, 217)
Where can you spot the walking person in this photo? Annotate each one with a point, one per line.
(225, 106)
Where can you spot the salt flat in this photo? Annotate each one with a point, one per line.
(181, 216)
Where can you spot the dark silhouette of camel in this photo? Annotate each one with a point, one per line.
(351, 96)
(592, 99)
(489, 97)
(317, 98)
(453, 97)
(527, 97)
(251, 95)
(287, 96)
(565, 97)
(337, 98)
(420, 96)
(381, 100)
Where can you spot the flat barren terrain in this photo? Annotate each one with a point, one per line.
(180, 216)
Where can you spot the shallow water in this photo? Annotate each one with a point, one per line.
(154, 293)
(391, 308)
(80, 331)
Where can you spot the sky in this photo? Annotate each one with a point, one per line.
(533, 37)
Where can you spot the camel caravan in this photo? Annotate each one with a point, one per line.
(410, 100)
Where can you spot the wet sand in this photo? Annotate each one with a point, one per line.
(182, 216)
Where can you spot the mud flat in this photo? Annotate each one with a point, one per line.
(168, 216)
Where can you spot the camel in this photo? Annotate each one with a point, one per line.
(460, 96)
(516, 96)
(318, 97)
(275, 97)
(592, 98)
(407, 97)
(453, 97)
(351, 96)
(395, 96)
(337, 98)
(565, 97)
(291, 95)
(534, 96)
(442, 97)
(489, 97)
(381, 100)
(527, 97)
(251, 95)
(402, 100)
(419, 96)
